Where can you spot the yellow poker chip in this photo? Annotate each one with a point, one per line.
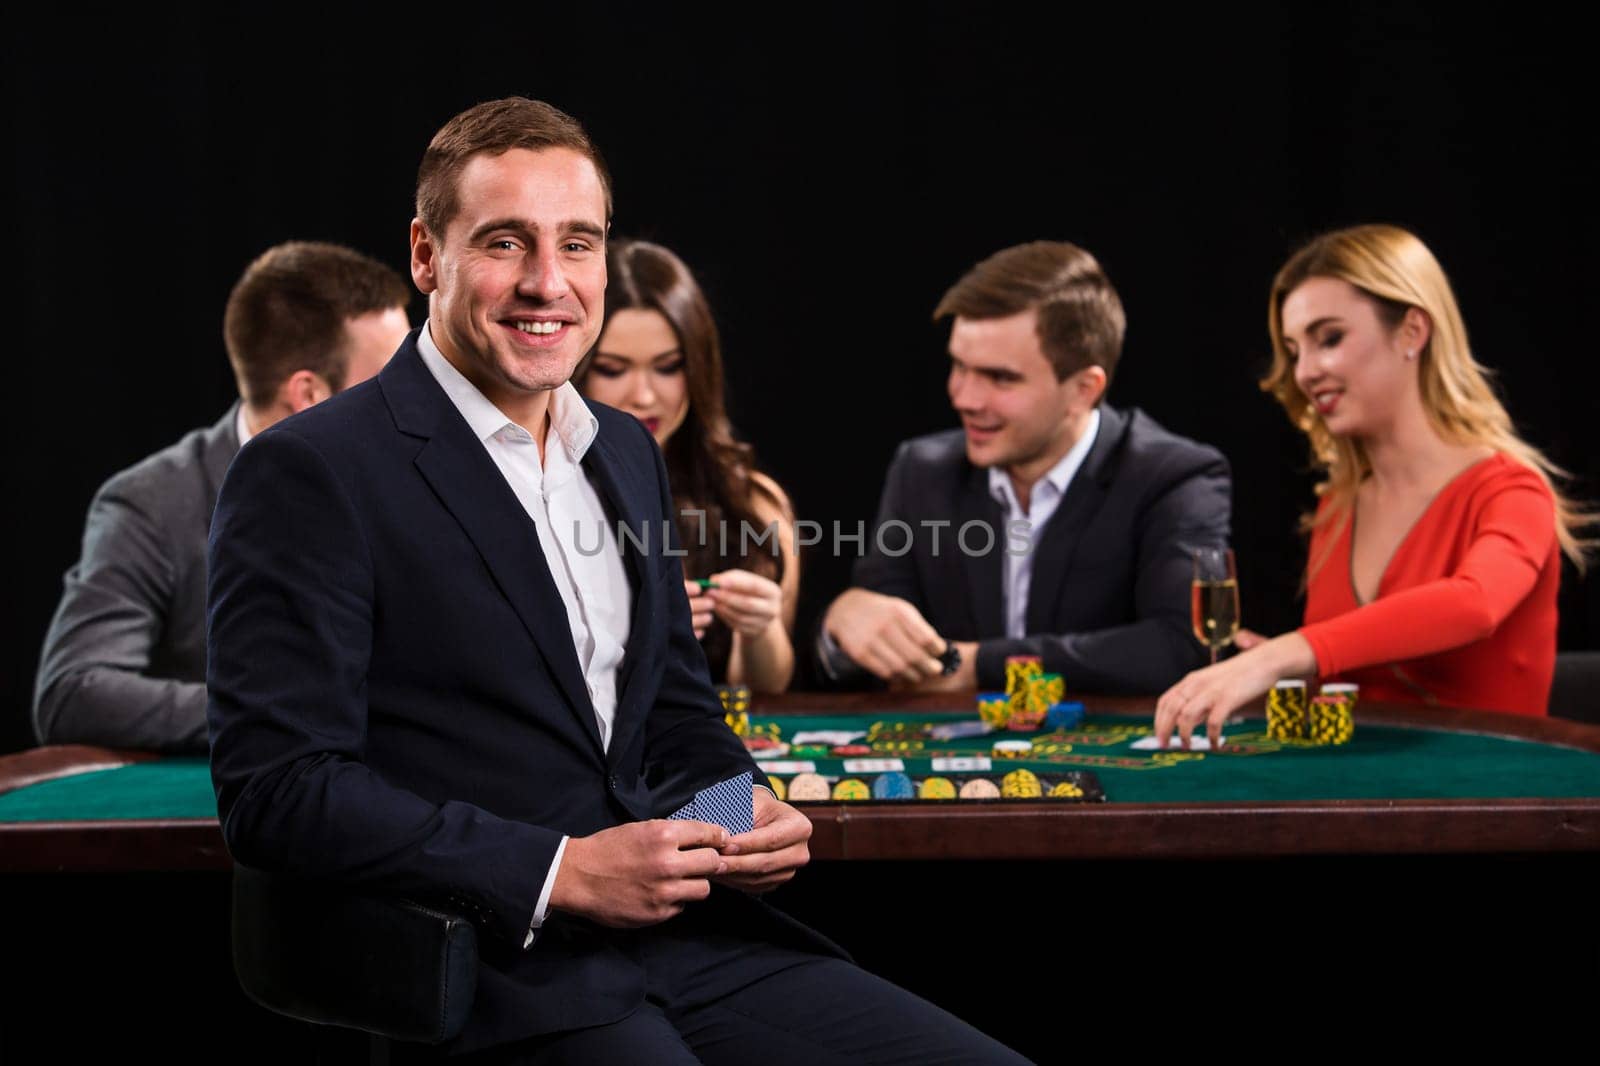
(1066, 790)
(776, 784)
(851, 789)
(980, 788)
(1021, 784)
(937, 788)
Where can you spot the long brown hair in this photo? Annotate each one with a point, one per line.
(709, 468)
(1394, 269)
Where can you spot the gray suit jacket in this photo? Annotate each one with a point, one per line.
(124, 662)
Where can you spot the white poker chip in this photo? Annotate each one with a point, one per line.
(777, 751)
(1013, 747)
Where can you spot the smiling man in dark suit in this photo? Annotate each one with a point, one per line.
(437, 669)
(1051, 523)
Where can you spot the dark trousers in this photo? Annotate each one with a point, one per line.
(718, 1000)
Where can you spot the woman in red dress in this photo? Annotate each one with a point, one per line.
(1436, 543)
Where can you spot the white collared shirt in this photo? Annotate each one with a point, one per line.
(241, 425)
(1043, 499)
(566, 511)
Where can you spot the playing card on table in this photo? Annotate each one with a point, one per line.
(1198, 742)
(729, 804)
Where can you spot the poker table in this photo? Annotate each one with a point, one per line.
(1449, 850)
(1413, 780)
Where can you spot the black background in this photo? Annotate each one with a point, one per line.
(828, 172)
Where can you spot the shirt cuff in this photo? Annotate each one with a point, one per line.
(542, 908)
(836, 666)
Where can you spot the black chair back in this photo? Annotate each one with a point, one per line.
(322, 954)
(1576, 692)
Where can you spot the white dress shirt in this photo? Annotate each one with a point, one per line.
(241, 426)
(1043, 499)
(566, 511)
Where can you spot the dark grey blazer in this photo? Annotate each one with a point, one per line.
(124, 662)
(1108, 602)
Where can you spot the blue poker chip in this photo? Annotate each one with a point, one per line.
(1064, 716)
(893, 786)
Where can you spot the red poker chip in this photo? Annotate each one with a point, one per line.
(848, 750)
(760, 743)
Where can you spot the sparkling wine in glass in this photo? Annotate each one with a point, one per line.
(1214, 605)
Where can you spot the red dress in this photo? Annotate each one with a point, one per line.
(1466, 610)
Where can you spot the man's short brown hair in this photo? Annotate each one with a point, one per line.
(1081, 322)
(288, 313)
(493, 128)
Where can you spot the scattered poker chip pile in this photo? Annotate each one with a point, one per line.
(898, 787)
(1033, 699)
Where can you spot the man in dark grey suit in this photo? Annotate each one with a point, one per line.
(1051, 523)
(124, 660)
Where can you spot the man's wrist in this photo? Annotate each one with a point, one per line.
(834, 663)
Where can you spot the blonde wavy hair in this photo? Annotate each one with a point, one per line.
(1394, 269)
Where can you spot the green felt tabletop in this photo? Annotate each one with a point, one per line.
(168, 788)
(1379, 763)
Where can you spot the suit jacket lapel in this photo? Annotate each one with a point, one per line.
(471, 487)
(221, 445)
(623, 496)
(1059, 538)
(983, 570)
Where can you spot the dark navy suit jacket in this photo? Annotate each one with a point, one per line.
(396, 702)
(1108, 600)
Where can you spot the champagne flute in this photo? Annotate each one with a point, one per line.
(1214, 605)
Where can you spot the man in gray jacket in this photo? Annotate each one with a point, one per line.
(124, 660)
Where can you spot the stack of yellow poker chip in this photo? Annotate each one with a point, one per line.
(1066, 790)
(1032, 703)
(1020, 671)
(1286, 711)
(735, 707)
(851, 789)
(1332, 719)
(1029, 716)
(994, 709)
(937, 788)
(1020, 784)
(1055, 688)
(776, 784)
